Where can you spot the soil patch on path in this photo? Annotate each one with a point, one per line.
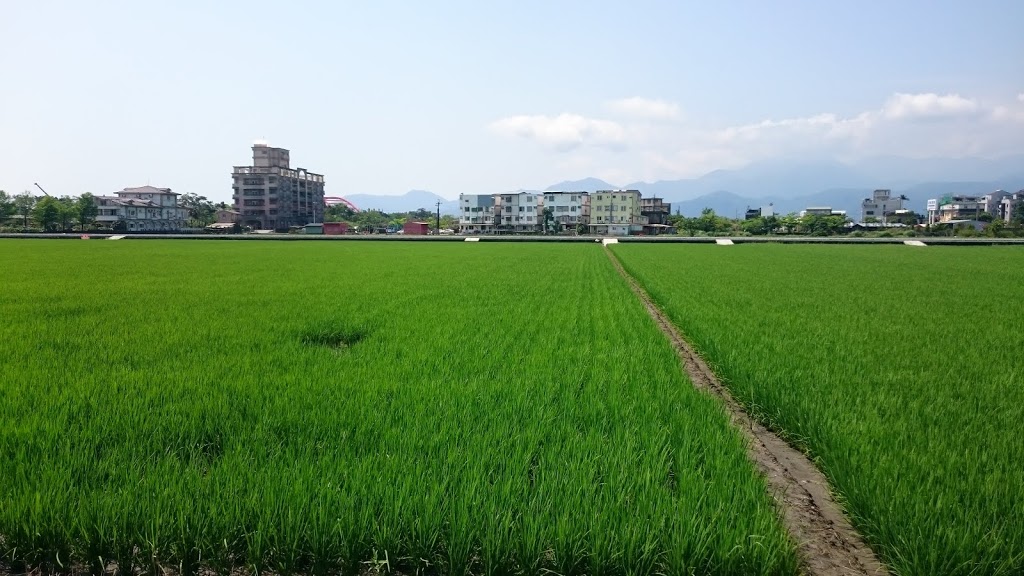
(826, 540)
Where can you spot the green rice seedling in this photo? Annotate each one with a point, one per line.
(337, 407)
(894, 368)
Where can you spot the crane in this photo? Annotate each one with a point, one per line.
(40, 188)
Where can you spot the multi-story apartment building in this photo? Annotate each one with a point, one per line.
(656, 211)
(616, 212)
(270, 194)
(959, 208)
(569, 209)
(142, 209)
(1010, 204)
(881, 203)
(477, 213)
(517, 212)
(993, 202)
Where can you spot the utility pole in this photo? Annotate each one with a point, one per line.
(438, 217)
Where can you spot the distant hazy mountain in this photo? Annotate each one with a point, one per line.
(763, 179)
(585, 185)
(848, 199)
(790, 185)
(790, 179)
(411, 200)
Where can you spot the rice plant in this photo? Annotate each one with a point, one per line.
(329, 407)
(898, 369)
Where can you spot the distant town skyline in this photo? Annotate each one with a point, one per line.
(464, 97)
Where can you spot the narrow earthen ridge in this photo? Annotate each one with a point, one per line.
(827, 543)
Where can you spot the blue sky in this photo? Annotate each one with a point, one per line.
(454, 97)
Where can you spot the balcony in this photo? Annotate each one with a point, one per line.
(255, 170)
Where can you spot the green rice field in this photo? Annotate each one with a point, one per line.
(900, 370)
(354, 407)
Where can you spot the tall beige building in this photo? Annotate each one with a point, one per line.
(270, 194)
(616, 213)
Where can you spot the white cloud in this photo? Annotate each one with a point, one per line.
(646, 108)
(912, 125)
(562, 132)
(929, 105)
(1020, 97)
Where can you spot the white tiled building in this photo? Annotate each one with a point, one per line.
(477, 212)
(570, 209)
(881, 203)
(519, 211)
(142, 209)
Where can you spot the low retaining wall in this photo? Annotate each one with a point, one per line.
(929, 241)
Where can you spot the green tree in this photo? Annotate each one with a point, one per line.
(6, 205)
(450, 222)
(68, 213)
(87, 210)
(201, 211)
(819, 225)
(23, 205)
(995, 227)
(1017, 214)
(790, 222)
(47, 213)
(339, 213)
(759, 226)
(369, 219)
(548, 225)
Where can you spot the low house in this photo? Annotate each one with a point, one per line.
(956, 208)
(335, 228)
(821, 211)
(314, 228)
(142, 209)
(224, 216)
(416, 228)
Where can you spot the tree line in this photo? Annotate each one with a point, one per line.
(376, 220)
(46, 213)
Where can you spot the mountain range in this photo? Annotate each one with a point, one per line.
(788, 185)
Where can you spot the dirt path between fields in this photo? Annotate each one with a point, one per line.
(827, 543)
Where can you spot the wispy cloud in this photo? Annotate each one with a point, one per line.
(929, 105)
(563, 132)
(646, 108)
(915, 125)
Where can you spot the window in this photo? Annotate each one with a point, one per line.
(600, 218)
(529, 218)
(521, 208)
(599, 198)
(252, 181)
